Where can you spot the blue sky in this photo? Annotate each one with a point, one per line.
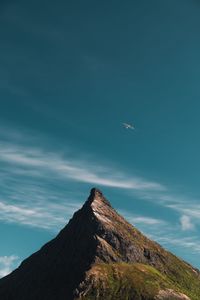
(70, 74)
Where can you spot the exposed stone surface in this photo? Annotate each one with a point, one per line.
(171, 295)
(95, 234)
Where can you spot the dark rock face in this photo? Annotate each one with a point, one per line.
(57, 268)
(95, 234)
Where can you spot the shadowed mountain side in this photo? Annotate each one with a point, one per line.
(57, 268)
(99, 255)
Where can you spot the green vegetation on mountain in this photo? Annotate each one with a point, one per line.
(125, 281)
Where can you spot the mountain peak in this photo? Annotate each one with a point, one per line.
(96, 200)
(95, 192)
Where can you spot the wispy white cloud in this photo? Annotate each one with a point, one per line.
(186, 223)
(7, 264)
(147, 220)
(142, 220)
(49, 216)
(189, 210)
(191, 243)
(31, 203)
(81, 171)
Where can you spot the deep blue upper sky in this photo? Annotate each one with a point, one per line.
(70, 74)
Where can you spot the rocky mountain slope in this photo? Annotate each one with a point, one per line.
(99, 255)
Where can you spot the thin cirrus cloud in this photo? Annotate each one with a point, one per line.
(50, 216)
(191, 209)
(77, 171)
(144, 220)
(27, 201)
(188, 209)
(36, 163)
(7, 263)
(191, 243)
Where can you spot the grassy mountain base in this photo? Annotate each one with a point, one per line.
(123, 281)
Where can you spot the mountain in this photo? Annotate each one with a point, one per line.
(99, 255)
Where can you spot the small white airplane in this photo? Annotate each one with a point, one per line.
(128, 126)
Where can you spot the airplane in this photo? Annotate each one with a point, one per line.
(128, 126)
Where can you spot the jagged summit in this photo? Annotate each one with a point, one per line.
(96, 198)
(94, 192)
(99, 255)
